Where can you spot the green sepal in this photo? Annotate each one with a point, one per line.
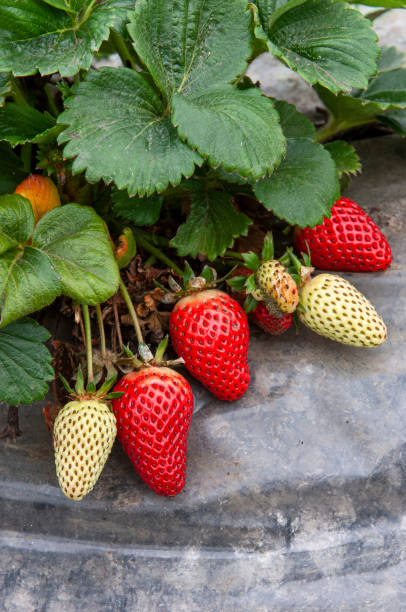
(237, 282)
(251, 261)
(65, 383)
(157, 284)
(80, 383)
(188, 273)
(160, 352)
(250, 284)
(127, 351)
(207, 274)
(114, 395)
(268, 250)
(90, 387)
(294, 260)
(250, 304)
(109, 382)
(296, 321)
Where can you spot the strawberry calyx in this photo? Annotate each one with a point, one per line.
(146, 359)
(256, 285)
(90, 391)
(192, 284)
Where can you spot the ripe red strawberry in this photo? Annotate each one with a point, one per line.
(210, 331)
(153, 418)
(349, 241)
(269, 323)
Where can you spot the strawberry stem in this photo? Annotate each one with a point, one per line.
(101, 331)
(234, 254)
(153, 250)
(132, 312)
(88, 336)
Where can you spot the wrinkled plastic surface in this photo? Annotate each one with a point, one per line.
(295, 495)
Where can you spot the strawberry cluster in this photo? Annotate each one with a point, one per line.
(152, 407)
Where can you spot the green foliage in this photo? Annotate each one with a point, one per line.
(383, 3)
(35, 36)
(118, 110)
(118, 130)
(344, 156)
(140, 211)
(20, 123)
(385, 92)
(212, 225)
(236, 129)
(25, 362)
(304, 187)
(323, 40)
(67, 252)
(178, 128)
(11, 169)
(202, 43)
(5, 86)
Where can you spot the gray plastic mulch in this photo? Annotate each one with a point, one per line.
(295, 496)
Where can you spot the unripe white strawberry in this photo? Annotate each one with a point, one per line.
(84, 433)
(334, 308)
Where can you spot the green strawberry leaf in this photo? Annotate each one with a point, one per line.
(387, 89)
(16, 221)
(75, 240)
(11, 169)
(396, 120)
(212, 225)
(25, 362)
(118, 130)
(5, 86)
(390, 59)
(68, 252)
(304, 187)
(190, 46)
(347, 111)
(345, 157)
(27, 283)
(238, 130)
(20, 123)
(140, 211)
(35, 36)
(323, 40)
(382, 3)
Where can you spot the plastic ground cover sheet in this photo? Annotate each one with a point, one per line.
(295, 495)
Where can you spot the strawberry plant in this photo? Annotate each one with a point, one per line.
(175, 155)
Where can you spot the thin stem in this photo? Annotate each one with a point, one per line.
(333, 127)
(88, 334)
(132, 312)
(140, 238)
(101, 331)
(117, 322)
(150, 261)
(123, 50)
(234, 254)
